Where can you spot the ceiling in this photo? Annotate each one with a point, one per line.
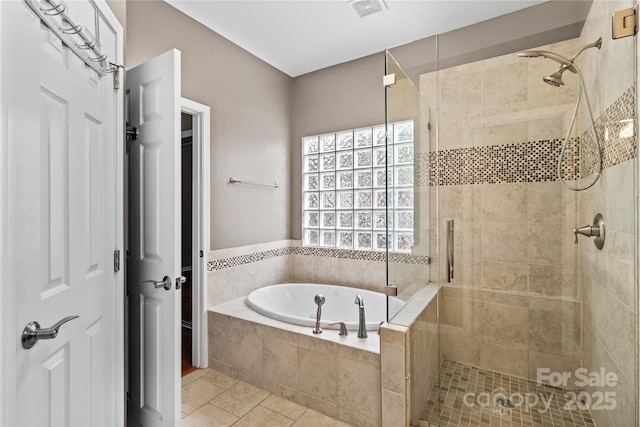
(301, 36)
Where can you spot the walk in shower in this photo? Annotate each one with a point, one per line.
(534, 324)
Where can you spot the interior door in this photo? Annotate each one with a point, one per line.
(153, 90)
(60, 227)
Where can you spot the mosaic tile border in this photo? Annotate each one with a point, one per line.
(221, 264)
(535, 161)
(532, 161)
(236, 261)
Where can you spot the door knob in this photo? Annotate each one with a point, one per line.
(32, 333)
(164, 283)
(180, 281)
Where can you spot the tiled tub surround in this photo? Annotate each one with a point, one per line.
(235, 272)
(344, 377)
(409, 359)
(338, 376)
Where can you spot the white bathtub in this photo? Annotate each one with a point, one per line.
(294, 303)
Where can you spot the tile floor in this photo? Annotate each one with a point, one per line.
(457, 379)
(212, 399)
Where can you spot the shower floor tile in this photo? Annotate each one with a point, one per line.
(471, 396)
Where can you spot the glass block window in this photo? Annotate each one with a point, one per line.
(357, 192)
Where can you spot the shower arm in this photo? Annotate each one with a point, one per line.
(597, 43)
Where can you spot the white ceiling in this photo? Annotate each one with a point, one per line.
(300, 36)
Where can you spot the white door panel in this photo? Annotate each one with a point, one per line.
(59, 120)
(154, 242)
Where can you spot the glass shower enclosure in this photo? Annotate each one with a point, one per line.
(533, 323)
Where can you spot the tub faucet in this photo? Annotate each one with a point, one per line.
(362, 326)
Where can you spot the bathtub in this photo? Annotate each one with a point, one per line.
(294, 303)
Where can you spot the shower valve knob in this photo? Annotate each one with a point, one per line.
(597, 231)
(587, 230)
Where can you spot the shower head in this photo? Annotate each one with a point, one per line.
(565, 62)
(555, 79)
(319, 299)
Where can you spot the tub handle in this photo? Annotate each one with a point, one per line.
(343, 328)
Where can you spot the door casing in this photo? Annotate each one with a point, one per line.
(200, 238)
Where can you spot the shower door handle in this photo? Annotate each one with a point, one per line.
(449, 250)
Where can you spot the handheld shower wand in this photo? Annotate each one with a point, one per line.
(555, 79)
(319, 299)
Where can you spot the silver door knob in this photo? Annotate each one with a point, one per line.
(32, 333)
(180, 281)
(164, 283)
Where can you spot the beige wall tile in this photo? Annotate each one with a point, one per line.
(555, 327)
(278, 360)
(503, 241)
(554, 363)
(613, 325)
(510, 276)
(462, 92)
(503, 324)
(317, 374)
(498, 90)
(624, 391)
(358, 420)
(316, 419)
(545, 244)
(546, 280)
(394, 414)
(301, 268)
(392, 359)
(325, 270)
(360, 388)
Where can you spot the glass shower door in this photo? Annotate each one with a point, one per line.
(415, 308)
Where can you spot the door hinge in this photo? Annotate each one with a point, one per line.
(116, 260)
(624, 23)
(391, 291)
(116, 79)
(389, 80)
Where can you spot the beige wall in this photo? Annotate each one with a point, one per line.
(119, 8)
(250, 119)
(345, 96)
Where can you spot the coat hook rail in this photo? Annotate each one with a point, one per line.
(56, 18)
(233, 180)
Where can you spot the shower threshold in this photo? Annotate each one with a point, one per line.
(469, 396)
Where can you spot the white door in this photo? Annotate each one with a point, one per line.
(60, 225)
(153, 91)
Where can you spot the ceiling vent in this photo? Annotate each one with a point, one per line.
(364, 8)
